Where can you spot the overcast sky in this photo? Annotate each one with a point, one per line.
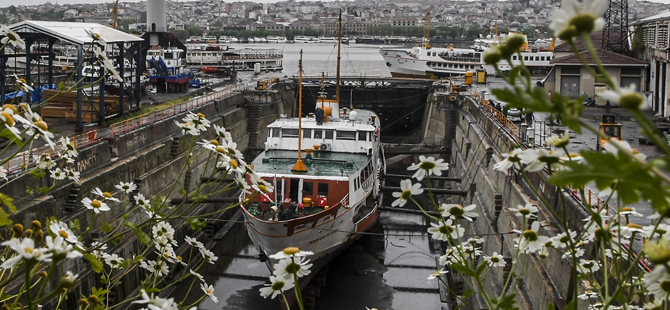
(6, 3)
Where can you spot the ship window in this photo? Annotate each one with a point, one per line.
(514, 57)
(275, 132)
(541, 58)
(346, 135)
(362, 135)
(525, 57)
(329, 134)
(289, 133)
(168, 55)
(307, 188)
(307, 133)
(323, 189)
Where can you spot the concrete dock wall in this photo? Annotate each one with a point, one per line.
(476, 142)
(152, 156)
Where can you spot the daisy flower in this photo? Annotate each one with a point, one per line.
(25, 250)
(3, 172)
(276, 287)
(220, 131)
(562, 240)
(95, 205)
(613, 146)
(560, 141)
(655, 282)
(407, 191)
(193, 242)
(455, 211)
(61, 249)
(436, 274)
(544, 159)
(427, 167)
(588, 295)
(105, 195)
(197, 121)
(72, 175)
(140, 200)
(287, 267)
(510, 159)
(588, 266)
(530, 241)
(163, 229)
(159, 268)
(113, 260)
(199, 276)
(186, 129)
(525, 211)
(95, 37)
(627, 97)
(572, 19)
(209, 291)
(290, 252)
(208, 255)
(495, 260)
(13, 38)
(21, 84)
(60, 229)
(156, 303)
(126, 187)
(58, 174)
(446, 230)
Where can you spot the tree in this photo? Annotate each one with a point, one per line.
(197, 12)
(182, 35)
(522, 19)
(12, 9)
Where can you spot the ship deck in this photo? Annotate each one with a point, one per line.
(336, 165)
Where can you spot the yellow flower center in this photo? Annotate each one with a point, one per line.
(631, 100)
(201, 115)
(291, 250)
(626, 209)
(214, 142)
(28, 250)
(633, 225)
(456, 210)
(107, 195)
(179, 257)
(10, 106)
(221, 149)
(63, 234)
(263, 189)
(233, 164)
(41, 125)
(427, 165)
(530, 235)
(208, 291)
(8, 118)
(494, 259)
(524, 211)
(277, 286)
(96, 204)
(406, 194)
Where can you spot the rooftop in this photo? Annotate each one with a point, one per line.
(607, 58)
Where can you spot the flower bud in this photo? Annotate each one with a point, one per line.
(27, 233)
(36, 225)
(515, 42)
(492, 56)
(584, 23)
(17, 230)
(38, 236)
(93, 299)
(632, 101)
(657, 252)
(42, 274)
(568, 33)
(506, 51)
(83, 303)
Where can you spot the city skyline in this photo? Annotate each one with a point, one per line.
(7, 3)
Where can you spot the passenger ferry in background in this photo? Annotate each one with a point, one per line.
(276, 39)
(427, 61)
(305, 39)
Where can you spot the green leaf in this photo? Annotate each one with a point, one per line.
(467, 293)
(570, 306)
(480, 268)
(38, 173)
(6, 133)
(106, 227)
(507, 302)
(8, 201)
(551, 307)
(61, 86)
(4, 219)
(96, 264)
(514, 73)
(142, 236)
(463, 270)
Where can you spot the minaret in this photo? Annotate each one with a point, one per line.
(156, 19)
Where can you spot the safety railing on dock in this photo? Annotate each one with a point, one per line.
(25, 159)
(157, 115)
(591, 196)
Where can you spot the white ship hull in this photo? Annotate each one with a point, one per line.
(442, 62)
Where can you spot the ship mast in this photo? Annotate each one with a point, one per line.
(339, 40)
(299, 166)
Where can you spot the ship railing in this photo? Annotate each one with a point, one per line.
(345, 201)
(24, 160)
(593, 200)
(367, 184)
(153, 116)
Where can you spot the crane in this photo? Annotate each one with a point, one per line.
(115, 15)
(426, 31)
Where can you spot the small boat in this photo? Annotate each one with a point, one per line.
(167, 69)
(325, 200)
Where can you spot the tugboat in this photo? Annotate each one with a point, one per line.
(167, 69)
(323, 201)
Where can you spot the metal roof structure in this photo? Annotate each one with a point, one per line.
(80, 35)
(73, 33)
